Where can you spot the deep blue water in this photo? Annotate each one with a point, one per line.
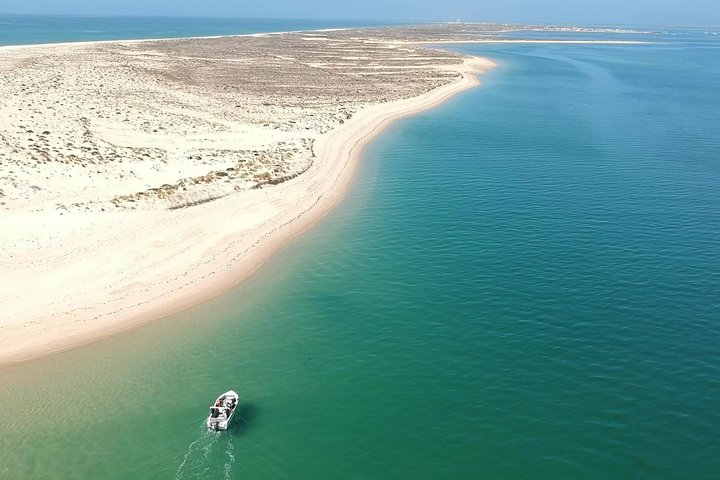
(524, 283)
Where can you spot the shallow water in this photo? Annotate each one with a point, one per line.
(523, 283)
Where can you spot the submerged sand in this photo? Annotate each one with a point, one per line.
(138, 178)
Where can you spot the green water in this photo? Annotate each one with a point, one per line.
(523, 283)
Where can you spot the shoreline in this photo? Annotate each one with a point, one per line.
(522, 41)
(86, 43)
(234, 255)
(89, 43)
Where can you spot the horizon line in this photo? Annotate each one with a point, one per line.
(378, 20)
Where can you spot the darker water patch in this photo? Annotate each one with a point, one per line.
(247, 417)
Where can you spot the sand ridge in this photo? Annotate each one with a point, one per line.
(140, 178)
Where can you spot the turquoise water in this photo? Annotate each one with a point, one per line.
(34, 29)
(523, 283)
(652, 33)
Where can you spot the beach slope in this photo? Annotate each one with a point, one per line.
(140, 178)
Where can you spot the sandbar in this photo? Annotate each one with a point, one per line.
(139, 178)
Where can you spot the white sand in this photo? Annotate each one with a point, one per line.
(72, 275)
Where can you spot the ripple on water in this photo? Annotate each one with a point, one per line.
(512, 290)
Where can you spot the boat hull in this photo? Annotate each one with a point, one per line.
(223, 411)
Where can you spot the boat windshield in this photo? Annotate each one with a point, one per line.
(216, 412)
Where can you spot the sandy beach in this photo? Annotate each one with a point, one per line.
(140, 178)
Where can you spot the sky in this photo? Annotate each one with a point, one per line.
(614, 12)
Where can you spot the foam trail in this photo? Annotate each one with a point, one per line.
(185, 459)
(197, 460)
(231, 458)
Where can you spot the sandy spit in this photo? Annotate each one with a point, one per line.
(178, 258)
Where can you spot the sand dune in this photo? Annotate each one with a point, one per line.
(140, 178)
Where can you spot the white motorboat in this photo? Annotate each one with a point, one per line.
(222, 411)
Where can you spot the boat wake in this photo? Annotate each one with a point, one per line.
(230, 460)
(211, 455)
